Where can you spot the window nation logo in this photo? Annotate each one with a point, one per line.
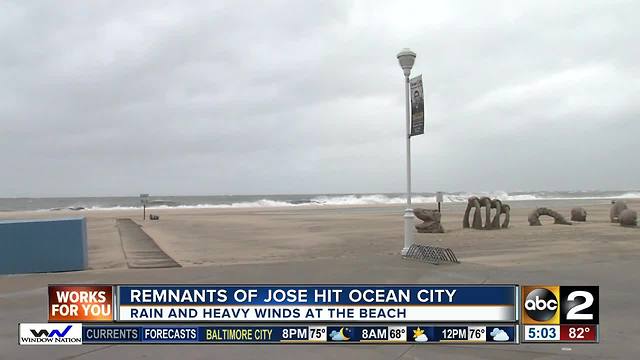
(50, 334)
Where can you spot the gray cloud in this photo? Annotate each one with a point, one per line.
(118, 98)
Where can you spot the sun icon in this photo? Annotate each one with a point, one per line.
(419, 335)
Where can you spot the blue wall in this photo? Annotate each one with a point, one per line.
(28, 246)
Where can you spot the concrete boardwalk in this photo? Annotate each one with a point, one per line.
(140, 250)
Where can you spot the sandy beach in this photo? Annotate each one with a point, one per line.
(348, 245)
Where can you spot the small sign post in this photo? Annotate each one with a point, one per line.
(143, 199)
(439, 197)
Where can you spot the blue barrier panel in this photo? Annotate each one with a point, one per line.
(44, 245)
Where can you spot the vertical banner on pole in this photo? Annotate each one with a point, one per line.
(417, 106)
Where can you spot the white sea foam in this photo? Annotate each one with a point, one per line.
(631, 195)
(122, 208)
(380, 199)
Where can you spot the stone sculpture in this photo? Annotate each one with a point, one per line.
(488, 204)
(485, 202)
(477, 219)
(506, 210)
(534, 217)
(578, 214)
(628, 217)
(616, 209)
(431, 221)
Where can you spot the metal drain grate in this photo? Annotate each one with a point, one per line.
(431, 254)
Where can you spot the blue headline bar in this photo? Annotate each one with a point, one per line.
(316, 295)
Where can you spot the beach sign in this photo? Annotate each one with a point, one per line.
(143, 200)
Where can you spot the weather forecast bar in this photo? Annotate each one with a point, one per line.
(307, 334)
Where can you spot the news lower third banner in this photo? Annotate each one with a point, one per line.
(363, 313)
(284, 303)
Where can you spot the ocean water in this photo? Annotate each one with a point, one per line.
(265, 201)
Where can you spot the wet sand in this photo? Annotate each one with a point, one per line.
(348, 245)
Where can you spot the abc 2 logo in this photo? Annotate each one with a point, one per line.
(552, 305)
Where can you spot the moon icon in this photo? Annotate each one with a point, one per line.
(342, 332)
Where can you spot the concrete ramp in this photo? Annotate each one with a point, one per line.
(140, 250)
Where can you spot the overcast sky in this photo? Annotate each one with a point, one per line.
(262, 97)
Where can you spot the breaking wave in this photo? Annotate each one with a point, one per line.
(382, 199)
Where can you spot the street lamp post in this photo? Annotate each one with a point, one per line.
(406, 58)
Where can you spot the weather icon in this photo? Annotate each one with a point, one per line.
(419, 335)
(343, 335)
(499, 335)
